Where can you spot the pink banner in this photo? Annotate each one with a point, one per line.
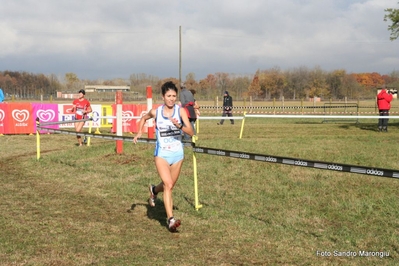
(46, 113)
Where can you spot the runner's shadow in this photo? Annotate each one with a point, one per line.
(369, 126)
(157, 213)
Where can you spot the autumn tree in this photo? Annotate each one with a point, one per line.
(142, 79)
(223, 83)
(208, 86)
(239, 85)
(112, 82)
(27, 85)
(139, 82)
(353, 89)
(159, 84)
(369, 82)
(272, 83)
(55, 84)
(73, 82)
(296, 82)
(335, 81)
(392, 80)
(254, 88)
(7, 83)
(393, 16)
(190, 80)
(317, 86)
(191, 83)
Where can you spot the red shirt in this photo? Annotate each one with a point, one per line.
(81, 106)
(384, 100)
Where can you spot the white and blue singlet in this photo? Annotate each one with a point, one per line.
(169, 144)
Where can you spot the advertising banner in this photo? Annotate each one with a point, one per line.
(46, 113)
(128, 122)
(65, 114)
(96, 113)
(21, 120)
(142, 110)
(106, 110)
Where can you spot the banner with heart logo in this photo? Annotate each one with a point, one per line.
(46, 113)
(142, 110)
(128, 122)
(21, 120)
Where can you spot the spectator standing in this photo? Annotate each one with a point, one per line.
(227, 108)
(384, 99)
(196, 105)
(1, 96)
(187, 101)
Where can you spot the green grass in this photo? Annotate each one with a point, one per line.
(88, 205)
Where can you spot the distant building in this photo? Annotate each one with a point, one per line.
(98, 89)
(105, 88)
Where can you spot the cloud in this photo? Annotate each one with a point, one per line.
(113, 39)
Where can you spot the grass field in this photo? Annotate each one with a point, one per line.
(88, 205)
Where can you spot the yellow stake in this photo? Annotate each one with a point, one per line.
(197, 205)
(37, 141)
(242, 124)
(90, 125)
(197, 126)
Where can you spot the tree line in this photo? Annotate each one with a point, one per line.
(294, 84)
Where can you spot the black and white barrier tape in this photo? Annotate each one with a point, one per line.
(366, 170)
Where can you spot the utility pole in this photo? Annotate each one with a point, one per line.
(179, 55)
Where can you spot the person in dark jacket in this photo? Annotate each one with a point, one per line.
(384, 99)
(227, 108)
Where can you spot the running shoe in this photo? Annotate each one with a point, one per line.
(153, 196)
(173, 224)
(85, 140)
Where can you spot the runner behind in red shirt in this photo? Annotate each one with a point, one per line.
(81, 107)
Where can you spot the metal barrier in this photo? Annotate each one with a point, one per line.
(328, 112)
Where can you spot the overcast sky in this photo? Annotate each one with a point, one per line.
(106, 39)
